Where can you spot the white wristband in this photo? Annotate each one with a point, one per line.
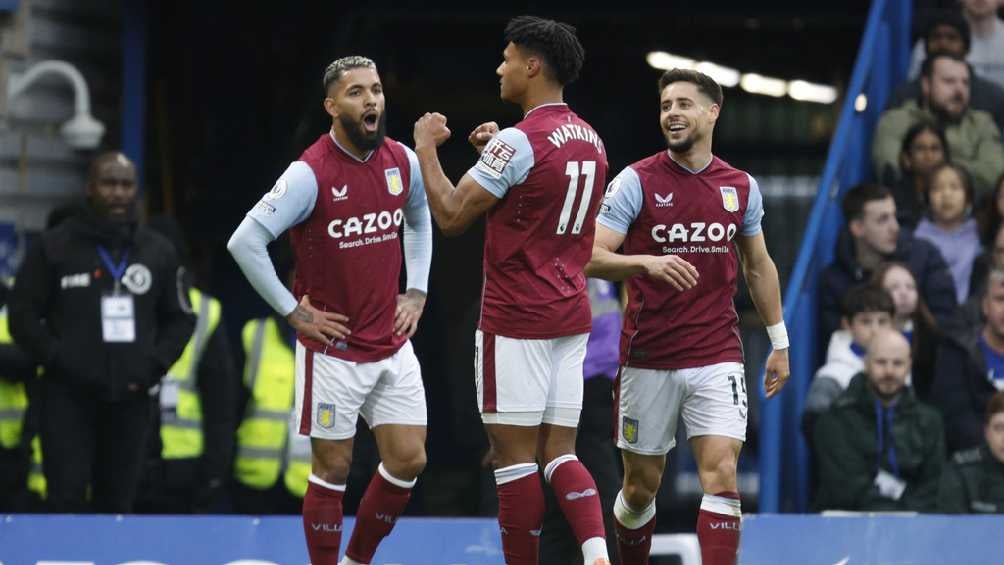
(778, 335)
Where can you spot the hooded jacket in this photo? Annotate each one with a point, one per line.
(56, 306)
(934, 280)
(842, 363)
(961, 389)
(847, 439)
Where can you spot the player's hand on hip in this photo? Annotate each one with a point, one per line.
(431, 129)
(777, 372)
(673, 270)
(482, 135)
(409, 310)
(316, 324)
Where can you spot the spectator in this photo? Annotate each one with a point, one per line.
(990, 212)
(871, 238)
(987, 55)
(913, 319)
(98, 302)
(16, 373)
(973, 137)
(878, 447)
(948, 32)
(192, 453)
(973, 482)
(950, 225)
(969, 369)
(924, 147)
(592, 444)
(866, 309)
(992, 258)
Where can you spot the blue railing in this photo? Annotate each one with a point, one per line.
(881, 64)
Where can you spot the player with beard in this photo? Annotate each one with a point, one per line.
(344, 202)
(683, 216)
(539, 183)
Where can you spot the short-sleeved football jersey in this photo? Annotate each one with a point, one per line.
(549, 171)
(663, 208)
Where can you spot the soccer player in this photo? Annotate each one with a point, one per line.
(539, 183)
(344, 202)
(685, 218)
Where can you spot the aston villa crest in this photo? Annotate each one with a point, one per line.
(394, 184)
(730, 198)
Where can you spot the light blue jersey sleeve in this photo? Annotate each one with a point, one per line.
(754, 210)
(417, 229)
(505, 162)
(289, 202)
(622, 202)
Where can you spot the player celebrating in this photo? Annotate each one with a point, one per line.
(538, 183)
(677, 214)
(344, 202)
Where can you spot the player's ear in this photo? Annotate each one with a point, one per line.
(329, 107)
(713, 112)
(534, 67)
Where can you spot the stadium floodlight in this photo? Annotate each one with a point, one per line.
(759, 84)
(667, 61)
(805, 91)
(82, 131)
(724, 76)
(861, 103)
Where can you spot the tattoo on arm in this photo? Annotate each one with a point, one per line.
(302, 314)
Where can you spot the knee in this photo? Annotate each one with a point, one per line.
(406, 466)
(332, 467)
(720, 476)
(641, 486)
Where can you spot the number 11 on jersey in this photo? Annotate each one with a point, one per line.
(573, 170)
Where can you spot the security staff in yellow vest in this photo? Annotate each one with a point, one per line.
(191, 456)
(273, 461)
(21, 482)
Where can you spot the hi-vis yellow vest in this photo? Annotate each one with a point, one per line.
(13, 398)
(181, 407)
(267, 444)
(13, 403)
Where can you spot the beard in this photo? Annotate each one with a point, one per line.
(683, 145)
(944, 115)
(360, 137)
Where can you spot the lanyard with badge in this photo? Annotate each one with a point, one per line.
(118, 320)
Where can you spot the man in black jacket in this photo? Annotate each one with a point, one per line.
(969, 369)
(100, 303)
(871, 238)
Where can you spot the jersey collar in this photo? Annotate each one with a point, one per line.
(688, 169)
(331, 134)
(545, 106)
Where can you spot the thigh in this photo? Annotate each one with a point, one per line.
(511, 375)
(398, 398)
(716, 403)
(329, 394)
(648, 408)
(564, 395)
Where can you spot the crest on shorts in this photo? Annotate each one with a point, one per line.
(629, 429)
(394, 184)
(325, 415)
(730, 198)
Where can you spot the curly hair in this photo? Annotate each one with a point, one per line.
(553, 41)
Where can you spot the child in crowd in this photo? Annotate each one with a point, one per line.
(950, 225)
(912, 318)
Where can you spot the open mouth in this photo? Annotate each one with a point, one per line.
(676, 128)
(371, 121)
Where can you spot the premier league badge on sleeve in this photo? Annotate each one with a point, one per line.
(730, 198)
(394, 184)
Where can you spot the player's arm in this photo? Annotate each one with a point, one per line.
(761, 277)
(621, 206)
(454, 208)
(288, 203)
(417, 253)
